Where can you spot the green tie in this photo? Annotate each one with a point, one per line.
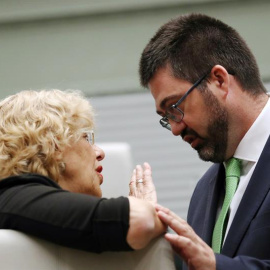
(233, 172)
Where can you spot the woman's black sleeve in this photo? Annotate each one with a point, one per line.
(70, 219)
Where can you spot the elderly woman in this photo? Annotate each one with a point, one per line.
(51, 175)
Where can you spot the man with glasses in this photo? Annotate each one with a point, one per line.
(207, 89)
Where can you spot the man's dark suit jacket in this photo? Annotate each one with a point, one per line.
(247, 245)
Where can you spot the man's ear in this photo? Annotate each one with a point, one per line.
(220, 80)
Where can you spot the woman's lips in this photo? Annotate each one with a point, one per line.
(99, 170)
(100, 178)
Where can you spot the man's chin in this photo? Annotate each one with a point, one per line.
(207, 153)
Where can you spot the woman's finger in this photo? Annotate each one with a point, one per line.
(132, 184)
(139, 180)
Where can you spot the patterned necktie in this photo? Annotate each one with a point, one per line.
(233, 172)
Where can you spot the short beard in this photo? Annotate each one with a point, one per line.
(215, 146)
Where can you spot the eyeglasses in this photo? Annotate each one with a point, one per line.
(174, 112)
(90, 137)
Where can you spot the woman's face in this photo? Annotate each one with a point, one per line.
(82, 172)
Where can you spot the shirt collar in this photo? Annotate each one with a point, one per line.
(252, 144)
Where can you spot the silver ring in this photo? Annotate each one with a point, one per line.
(140, 181)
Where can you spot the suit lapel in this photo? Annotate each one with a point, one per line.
(254, 195)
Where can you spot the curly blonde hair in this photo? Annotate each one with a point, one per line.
(36, 126)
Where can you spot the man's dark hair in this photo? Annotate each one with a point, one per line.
(192, 44)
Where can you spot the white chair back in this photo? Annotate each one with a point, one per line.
(19, 251)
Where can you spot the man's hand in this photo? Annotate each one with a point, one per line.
(186, 243)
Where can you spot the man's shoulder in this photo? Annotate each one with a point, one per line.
(211, 174)
(207, 181)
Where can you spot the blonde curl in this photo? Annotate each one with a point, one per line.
(35, 128)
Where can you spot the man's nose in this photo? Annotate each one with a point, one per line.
(177, 128)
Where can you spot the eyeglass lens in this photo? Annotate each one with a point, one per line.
(174, 112)
(165, 123)
(91, 137)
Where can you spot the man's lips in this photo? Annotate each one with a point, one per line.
(189, 138)
(192, 140)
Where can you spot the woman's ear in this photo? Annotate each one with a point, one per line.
(58, 154)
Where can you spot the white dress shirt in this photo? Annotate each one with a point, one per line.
(249, 151)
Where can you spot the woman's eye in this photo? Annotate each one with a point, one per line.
(86, 137)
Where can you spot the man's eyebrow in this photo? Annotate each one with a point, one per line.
(166, 99)
(164, 102)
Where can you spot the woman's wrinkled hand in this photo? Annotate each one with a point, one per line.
(141, 184)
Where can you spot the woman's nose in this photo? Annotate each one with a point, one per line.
(99, 153)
